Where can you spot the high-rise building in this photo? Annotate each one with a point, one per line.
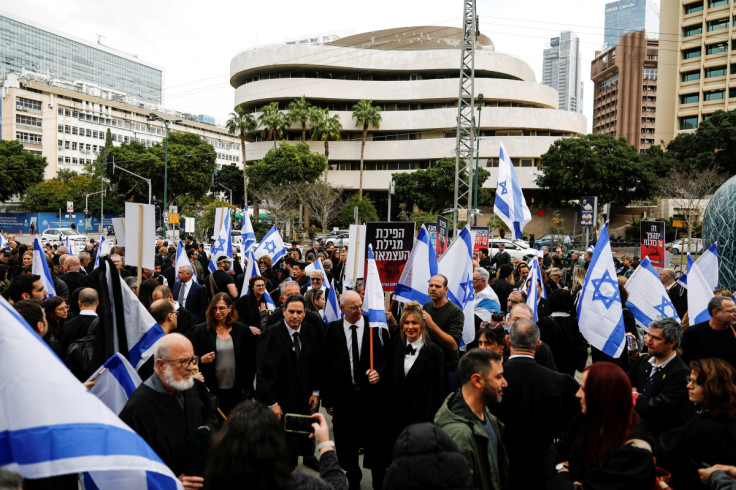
(696, 75)
(412, 74)
(623, 16)
(625, 93)
(29, 47)
(561, 70)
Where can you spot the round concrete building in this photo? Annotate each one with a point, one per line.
(412, 74)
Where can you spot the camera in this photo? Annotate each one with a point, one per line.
(498, 316)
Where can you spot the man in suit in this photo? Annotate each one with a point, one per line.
(288, 374)
(190, 295)
(537, 406)
(501, 285)
(184, 320)
(677, 293)
(311, 319)
(660, 379)
(77, 327)
(73, 277)
(351, 390)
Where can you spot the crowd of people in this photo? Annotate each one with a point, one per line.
(228, 384)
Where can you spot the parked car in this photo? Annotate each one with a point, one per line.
(338, 238)
(516, 250)
(678, 246)
(551, 240)
(57, 235)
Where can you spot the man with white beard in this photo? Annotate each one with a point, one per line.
(173, 412)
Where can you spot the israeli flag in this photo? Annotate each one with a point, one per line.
(648, 299)
(600, 313)
(75, 432)
(419, 268)
(317, 266)
(699, 293)
(246, 231)
(3, 242)
(456, 264)
(373, 303)
(224, 243)
(484, 303)
(116, 380)
(103, 249)
(182, 259)
(332, 311)
(708, 265)
(252, 271)
(271, 245)
(509, 204)
(532, 295)
(40, 267)
(70, 246)
(141, 330)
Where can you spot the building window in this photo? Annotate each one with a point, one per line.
(716, 71)
(689, 122)
(689, 98)
(691, 53)
(28, 137)
(650, 73)
(717, 25)
(716, 3)
(692, 8)
(714, 94)
(731, 93)
(24, 103)
(716, 48)
(689, 76)
(74, 145)
(692, 30)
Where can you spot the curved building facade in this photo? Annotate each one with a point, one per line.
(412, 74)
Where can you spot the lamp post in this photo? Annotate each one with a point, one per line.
(477, 156)
(155, 117)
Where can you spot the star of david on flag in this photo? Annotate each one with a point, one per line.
(223, 244)
(600, 313)
(271, 245)
(509, 204)
(502, 186)
(456, 264)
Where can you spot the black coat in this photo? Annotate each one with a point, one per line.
(311, 319)
(248, 310)
(502, 289)
(74, 280)
(537, 407)
(678, 296)
(196, 302)
(204, 341)
(569, 347)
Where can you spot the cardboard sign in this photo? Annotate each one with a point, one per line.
(652, 242)
(392, 243)
(443, 233)
(481, 236)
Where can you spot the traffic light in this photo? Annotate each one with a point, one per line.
(110, 164)
(215, 179)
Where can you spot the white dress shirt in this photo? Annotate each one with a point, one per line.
(349, 337)
(410, 359)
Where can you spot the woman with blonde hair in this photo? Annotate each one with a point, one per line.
(417, 376)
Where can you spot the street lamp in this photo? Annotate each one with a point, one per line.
(477, 156)
(155, 117)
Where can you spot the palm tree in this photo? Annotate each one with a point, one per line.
(242, 123)
(325, 128)
(274, 122)
(366, 114)
(300, 110)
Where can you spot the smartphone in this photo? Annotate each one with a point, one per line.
(298, 423)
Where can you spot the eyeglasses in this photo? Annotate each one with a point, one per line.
(259, 285)
(62, 307)
(316, 279)
(355, 308)
(220, 308)
(692, 381)
(183, 362)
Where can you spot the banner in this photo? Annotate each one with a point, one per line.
(21, 222)
(589, 211)
(481, 235)
(392, 243)
(431, 228)
(443, 232)
(652, 242)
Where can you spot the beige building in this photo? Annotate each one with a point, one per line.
(625, 95)
(696, 77)
(67, 122)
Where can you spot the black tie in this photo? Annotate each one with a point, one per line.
(410, 351)
(647, 391)
(356, 353)
(297, 345)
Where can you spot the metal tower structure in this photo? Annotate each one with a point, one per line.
(465, 119)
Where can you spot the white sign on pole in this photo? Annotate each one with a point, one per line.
(189, 225)
(118, 224)
(70, 206)
(140, 234)
(355, 244)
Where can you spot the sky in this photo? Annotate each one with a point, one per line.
(194, 41)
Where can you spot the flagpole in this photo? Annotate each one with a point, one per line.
(371, 332)
(355, 262)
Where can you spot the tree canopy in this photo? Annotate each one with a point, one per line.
(20, 169)
(285, 165)
(712, 145)
(53, 194)
(599, 165)
(366, 210)
(231, 176)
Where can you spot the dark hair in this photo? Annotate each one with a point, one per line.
(299, 264)
(716, 303)
(251, 450)
(506, 270)
(494, 333)
(295, 297)
(145, 292)
(31, 311)
(608, 411)
(310, 297)
(524, 335)
(477, 361)
(253, 280)
(50, 309)
(22, 284)
(560, 300)
(231, 317)
(718, 379)
(160, 310)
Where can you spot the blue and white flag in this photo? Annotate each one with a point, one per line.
(532, 292)
(485, 302)
(332, 311)
(70, 246)
(103, 249)
(246, 232)
(252, 271)
(3, 242)
(509, 204)
(51, 425)
(648, 299)
(456, 264)
(708, 265)
(373, 304)
(224, 243)
(40, 267)
(271, 245)
(181, 258)
(141, 330)
(600, 313)
(421, 265)
(116, 380)
(317, 266)
(699, 293)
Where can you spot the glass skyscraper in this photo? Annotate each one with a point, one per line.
(624, 16)
(24, 46)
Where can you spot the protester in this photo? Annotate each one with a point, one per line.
(561, 332)
(250, 451)
(603, 447)
(710, 437)
(221, 280)
(26, 286)
(311, 319)
(493, 337)
(165, 315)
(227, 353)
(145, 292)
(444, 323)
(265, 268)
(33, 314)
(714, 337)
(677, 293)
(79, 326)
(316, 301)
(503, 285)
(252, 308)
(190, 295)
(543, 355)
(297, 274)
(56, 311)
